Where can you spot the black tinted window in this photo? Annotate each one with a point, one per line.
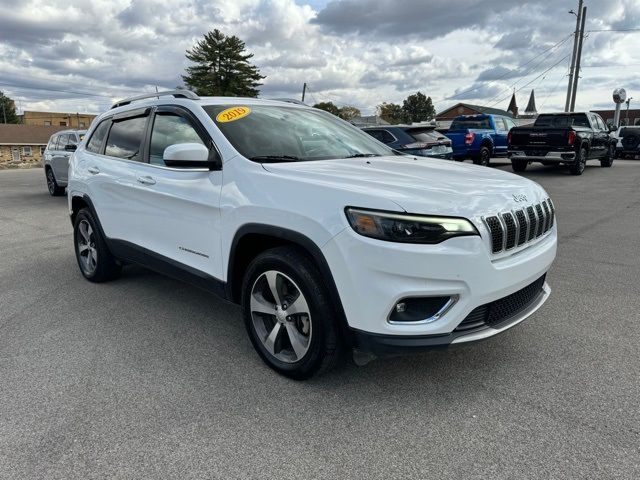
(125, 138)
(170, 129)
(471, 123)
(95, 143)
(425, 135)
(562, 121)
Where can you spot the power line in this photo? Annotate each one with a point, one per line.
(553, 90)
(513, 85)
(615, 30)
(510, 72)
(531, 81)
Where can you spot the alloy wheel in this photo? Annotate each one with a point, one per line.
(280, 316)
(51, 183)
(87, 251)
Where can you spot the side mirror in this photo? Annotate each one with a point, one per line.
(612, 128)
(188, 155)
(71, 147)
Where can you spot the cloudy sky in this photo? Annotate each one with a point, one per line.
(81, 55)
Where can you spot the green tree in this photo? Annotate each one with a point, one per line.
(7, 110)
(222, 67)
(418, 108)
(328, 107)
(348, 112)
(390, 112)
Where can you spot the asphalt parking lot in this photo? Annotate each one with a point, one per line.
(147, 377)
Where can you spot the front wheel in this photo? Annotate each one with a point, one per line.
(519, 165)
(577, 168)
(288, 314)
(483, 158)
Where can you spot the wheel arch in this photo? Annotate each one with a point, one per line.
(252, 239)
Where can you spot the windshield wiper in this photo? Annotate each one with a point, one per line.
(275, 158)
(362, 155)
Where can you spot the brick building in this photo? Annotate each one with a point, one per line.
(24, 144)
(57, 119)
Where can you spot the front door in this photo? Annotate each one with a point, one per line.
(177, 214)
(15, 154)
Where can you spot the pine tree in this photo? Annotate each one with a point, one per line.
(222, 67)
(7, 110)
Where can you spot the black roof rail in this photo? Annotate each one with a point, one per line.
(179, 93)
(289, 100)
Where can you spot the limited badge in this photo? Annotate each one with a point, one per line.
(232, 114)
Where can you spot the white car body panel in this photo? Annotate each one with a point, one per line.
(192, 216)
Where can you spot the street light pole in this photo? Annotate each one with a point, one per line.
(628, 102)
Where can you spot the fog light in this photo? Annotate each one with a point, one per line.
(420, 309)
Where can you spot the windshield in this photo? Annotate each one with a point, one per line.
(288, 134)
(562, 121)
(471, 123)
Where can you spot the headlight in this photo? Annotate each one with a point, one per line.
(406, 228)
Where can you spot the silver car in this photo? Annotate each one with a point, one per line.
(56, 158)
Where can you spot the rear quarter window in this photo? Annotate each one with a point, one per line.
(94, 144)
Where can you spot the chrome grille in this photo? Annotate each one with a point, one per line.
(513, 229)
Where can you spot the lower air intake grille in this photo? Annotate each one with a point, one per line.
(500, 310)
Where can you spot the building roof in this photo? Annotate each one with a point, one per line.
(12, 134)
(477, 108)
(531, 106)
(371, 120)
(513, 105)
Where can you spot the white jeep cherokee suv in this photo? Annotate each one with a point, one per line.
(327, 238)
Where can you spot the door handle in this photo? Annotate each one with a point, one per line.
(93, 170)
(146, 180)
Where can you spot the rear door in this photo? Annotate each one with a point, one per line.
(500, 137)
(60, 158)
(176, 210)
(601, 136)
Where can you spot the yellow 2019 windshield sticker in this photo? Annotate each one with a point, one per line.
(232, 114)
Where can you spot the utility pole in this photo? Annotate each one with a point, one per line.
(573, 56)
(4, 113)
(576, 73)
(628, 102)
(304, 90)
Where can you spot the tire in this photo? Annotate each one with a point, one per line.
(519, 165)
(52, 185)
(313, 328)
(577, 168)
(484, 157)
(607, 161)
(96, 262)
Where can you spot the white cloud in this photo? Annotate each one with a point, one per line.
(349, 51)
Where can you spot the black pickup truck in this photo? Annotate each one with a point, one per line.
(562, 138)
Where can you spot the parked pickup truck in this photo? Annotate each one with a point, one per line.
(562, 138)
(479, 137)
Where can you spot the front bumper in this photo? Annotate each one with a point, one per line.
(372, 276)
(393, 344)
(559, 156)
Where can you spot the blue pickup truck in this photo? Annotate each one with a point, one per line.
(479, 137)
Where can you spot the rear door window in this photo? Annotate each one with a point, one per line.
(53, 143)
(125, 138)
(63, 141)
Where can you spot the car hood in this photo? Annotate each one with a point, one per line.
(419, 185)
